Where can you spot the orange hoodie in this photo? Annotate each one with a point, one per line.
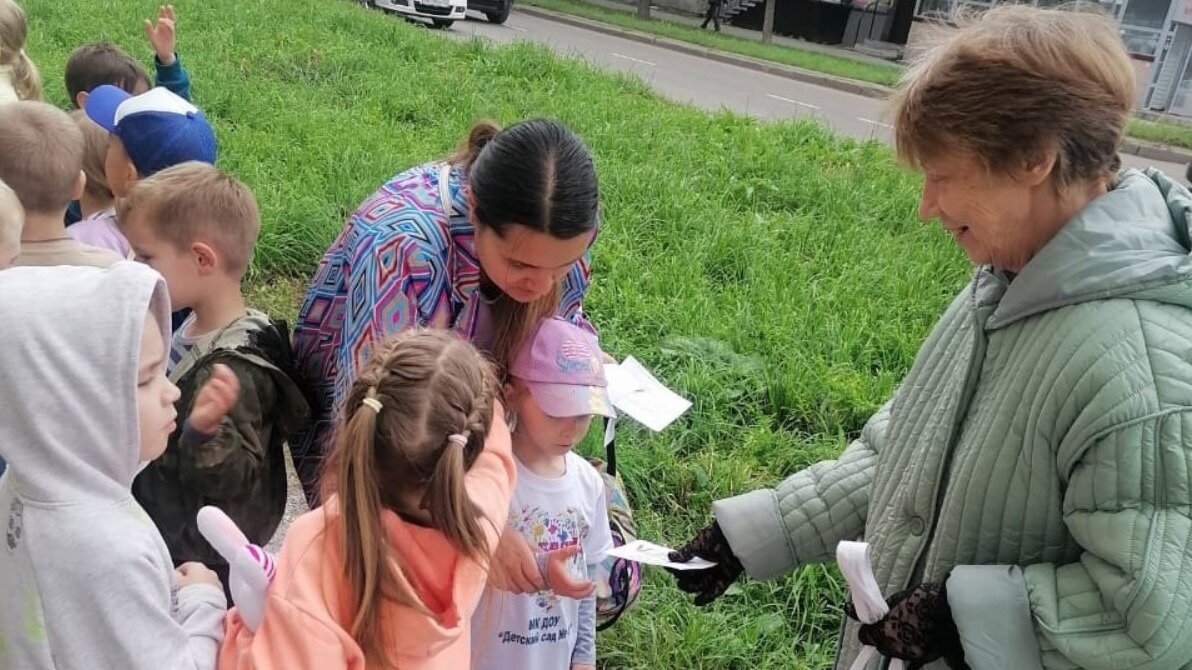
(308, 612)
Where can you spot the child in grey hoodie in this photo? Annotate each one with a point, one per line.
(85, 579)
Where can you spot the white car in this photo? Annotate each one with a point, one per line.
(441, 13)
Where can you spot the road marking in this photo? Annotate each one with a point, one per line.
(875, 123)
(635, 60)
(520, 30)
(793, 102)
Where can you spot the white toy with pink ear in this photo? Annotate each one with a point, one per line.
(251, 568)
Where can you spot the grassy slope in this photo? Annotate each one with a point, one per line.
(1163, 133)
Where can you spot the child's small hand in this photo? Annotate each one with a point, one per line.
(161, 34)
(582, 666)
(189, 574)
(559, 578)
(214, 400)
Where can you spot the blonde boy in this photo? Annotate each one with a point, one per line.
(197, 226)
(42, 162)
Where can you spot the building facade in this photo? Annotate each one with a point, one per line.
(1157, 33)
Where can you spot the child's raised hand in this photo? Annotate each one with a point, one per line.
(559, 578)
(161, 34)
(214, 400)
(189, 574)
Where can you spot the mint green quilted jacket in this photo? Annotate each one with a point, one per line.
(1040, 449)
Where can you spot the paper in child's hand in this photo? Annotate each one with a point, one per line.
(642, 551)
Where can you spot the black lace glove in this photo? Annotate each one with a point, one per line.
(918, 628)
(707, 585)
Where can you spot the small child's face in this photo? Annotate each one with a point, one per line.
(118, 168)
(156, 394)
(179, 267)
(554, 436)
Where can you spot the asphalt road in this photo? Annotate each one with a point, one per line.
(707, 83)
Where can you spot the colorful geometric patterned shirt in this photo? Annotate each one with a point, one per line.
(400, 262)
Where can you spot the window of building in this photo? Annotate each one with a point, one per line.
(1145, 14)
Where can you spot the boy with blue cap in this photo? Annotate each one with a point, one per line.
(150, 132)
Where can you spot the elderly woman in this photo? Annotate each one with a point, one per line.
(1026, 493)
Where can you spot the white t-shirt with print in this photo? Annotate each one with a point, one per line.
(538, 631)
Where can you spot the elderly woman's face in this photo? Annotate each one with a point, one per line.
(989, 215)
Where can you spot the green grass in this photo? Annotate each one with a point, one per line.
(805, 58)
(1163, 133)
(773, 273)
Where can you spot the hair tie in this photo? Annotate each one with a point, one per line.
(371, 401)
(458, 439)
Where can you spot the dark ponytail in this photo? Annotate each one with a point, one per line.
(481, 134)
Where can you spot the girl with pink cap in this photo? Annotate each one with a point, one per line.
(556, 385)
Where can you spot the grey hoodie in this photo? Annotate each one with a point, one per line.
(85, 579)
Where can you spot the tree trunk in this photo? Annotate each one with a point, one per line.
(768, 23)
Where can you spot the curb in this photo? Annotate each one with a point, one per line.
(1155, 152)
(777, 69)
(1162, 117)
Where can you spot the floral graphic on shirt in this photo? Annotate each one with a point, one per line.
(548, 532)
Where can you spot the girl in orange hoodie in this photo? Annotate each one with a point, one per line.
(387, 573)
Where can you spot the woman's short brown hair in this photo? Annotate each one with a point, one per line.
(1018, 81)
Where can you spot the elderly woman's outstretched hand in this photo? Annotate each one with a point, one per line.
(918, 628)
(707, 585)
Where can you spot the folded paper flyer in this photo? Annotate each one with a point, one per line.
(643, 551)
(639, 394)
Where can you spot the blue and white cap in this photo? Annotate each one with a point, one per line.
(157, 128)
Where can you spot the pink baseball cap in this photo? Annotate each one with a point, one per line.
(562, 366)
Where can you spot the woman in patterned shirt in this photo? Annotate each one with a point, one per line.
(486, 243)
